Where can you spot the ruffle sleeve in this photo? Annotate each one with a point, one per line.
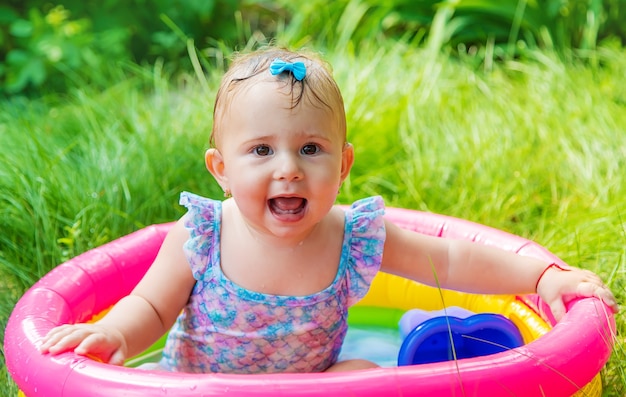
(366, 245)
(202, 220)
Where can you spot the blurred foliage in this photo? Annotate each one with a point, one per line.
(49, 45)
(509, 25)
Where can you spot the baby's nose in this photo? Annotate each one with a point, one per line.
(288, 168)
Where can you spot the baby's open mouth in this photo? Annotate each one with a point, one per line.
(287, 205)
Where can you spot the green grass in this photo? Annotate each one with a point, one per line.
(534, 147)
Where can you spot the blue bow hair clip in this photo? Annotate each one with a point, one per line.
(296, 68)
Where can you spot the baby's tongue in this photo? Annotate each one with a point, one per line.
(287, 204)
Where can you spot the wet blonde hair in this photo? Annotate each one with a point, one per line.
(318, 87)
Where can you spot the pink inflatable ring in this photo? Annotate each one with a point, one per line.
(562, 359)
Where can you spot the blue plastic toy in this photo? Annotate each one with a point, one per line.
(428, 335)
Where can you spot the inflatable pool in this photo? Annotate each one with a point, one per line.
(556, 359)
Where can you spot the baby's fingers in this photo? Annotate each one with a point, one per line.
(600, 291)
(56, 339)
(66, 338)
(585, 289)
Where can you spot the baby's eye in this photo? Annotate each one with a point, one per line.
(262, 150)
(310, 149)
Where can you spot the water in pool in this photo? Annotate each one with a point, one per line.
(377, 344)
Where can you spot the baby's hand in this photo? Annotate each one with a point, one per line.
(559, 286)
(84, 339)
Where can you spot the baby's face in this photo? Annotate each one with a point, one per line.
(284, 166)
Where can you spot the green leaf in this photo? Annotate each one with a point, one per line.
(35, 71)
(17, 57)
(30, 70)
(21, 28)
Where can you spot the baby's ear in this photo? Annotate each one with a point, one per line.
(215, 164)
(347, 160)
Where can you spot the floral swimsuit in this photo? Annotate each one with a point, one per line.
(228, 329)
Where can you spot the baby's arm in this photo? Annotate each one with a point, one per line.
(475, 268)
(139, 319)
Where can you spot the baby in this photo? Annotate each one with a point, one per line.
(262, 281)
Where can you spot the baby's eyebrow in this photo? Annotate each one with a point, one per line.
(267, 137)
(304, 135)
(313, 135)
